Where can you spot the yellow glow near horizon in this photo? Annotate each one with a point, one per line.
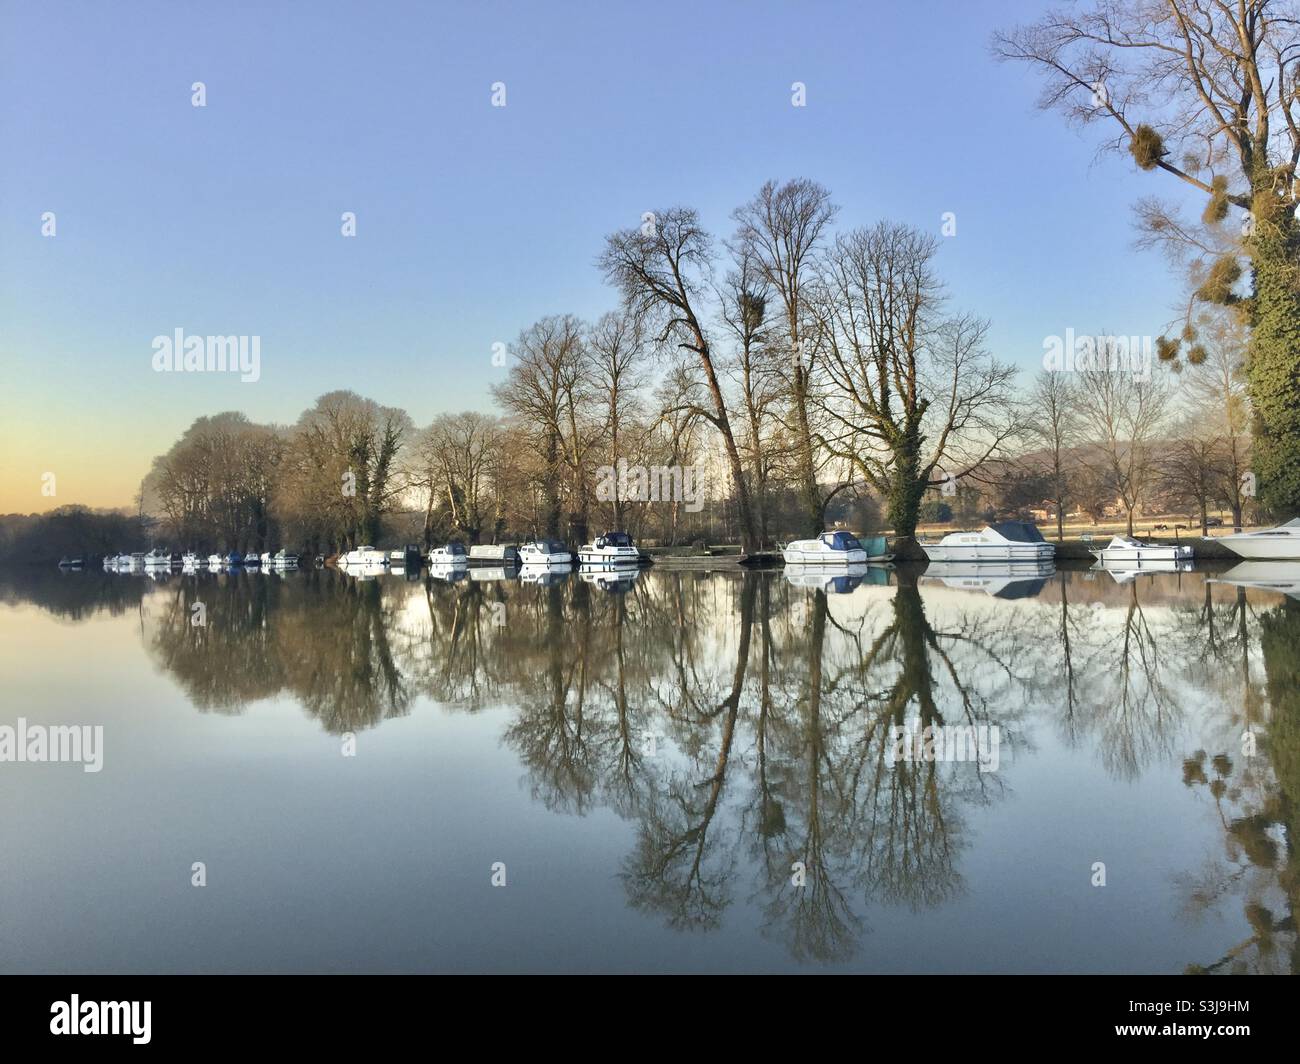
(99, 465)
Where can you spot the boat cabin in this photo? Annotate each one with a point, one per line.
(841, 541)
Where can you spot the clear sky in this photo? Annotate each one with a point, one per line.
(474, 220)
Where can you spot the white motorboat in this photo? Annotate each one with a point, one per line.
(1280, 542)
(252, 560)
(1003, 541)
(366, 556)
(494, 554)
(836, 548)
(1011, 579)
(613, 548)
(1129, 550)
(136, 561)
(1281, 576)
(110, 561)
(452, 554)
(545, 552)
(216, 559)
(189, 560)
(284, 559)
(158, 558)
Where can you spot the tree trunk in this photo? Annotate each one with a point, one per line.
(748, 536)
(813, 510)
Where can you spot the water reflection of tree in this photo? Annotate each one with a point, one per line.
(263, 636)
(1257, 799)
(740, 724)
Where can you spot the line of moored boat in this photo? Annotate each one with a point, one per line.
(1002, 541)
(1021, 541)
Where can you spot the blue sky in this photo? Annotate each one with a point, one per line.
(474, 220)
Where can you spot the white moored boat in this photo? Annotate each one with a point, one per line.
(284, 559)
(1001, 542)
(216, 559)
(366, 556)
(450, 554)
(1129, 550)
(836, 548)
(190, 560)
(545, 552)
(1280, 542)
(613, 548)
(158, 559)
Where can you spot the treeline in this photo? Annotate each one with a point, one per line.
(70, 531)
(751, 389)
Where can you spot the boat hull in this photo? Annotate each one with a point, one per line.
(1138, 555)
(989, 552)
(1263, 548)
(801, 556)
(609, 557)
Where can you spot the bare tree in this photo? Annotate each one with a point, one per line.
(910, 390)
(548, 362)
(744, 299)
(1205, 91)
(1218, 396)
(617, 351)
(452, 460)
(1122, 413)
(779, 231)
(1053, 424)
(662, 270)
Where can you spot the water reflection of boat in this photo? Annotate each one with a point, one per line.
(544, 574)
(1281, 576)
(448, 572)
(1125, 572)
(366, 570)
(496, 572)
(837, 579)
(1004, 580)
(616, 581)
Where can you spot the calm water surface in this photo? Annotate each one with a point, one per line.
(654, 763)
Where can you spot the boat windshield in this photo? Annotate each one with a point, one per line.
(553, 546)
(1018, 531)
(617, 539)
(455, 548)
(841, 541)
